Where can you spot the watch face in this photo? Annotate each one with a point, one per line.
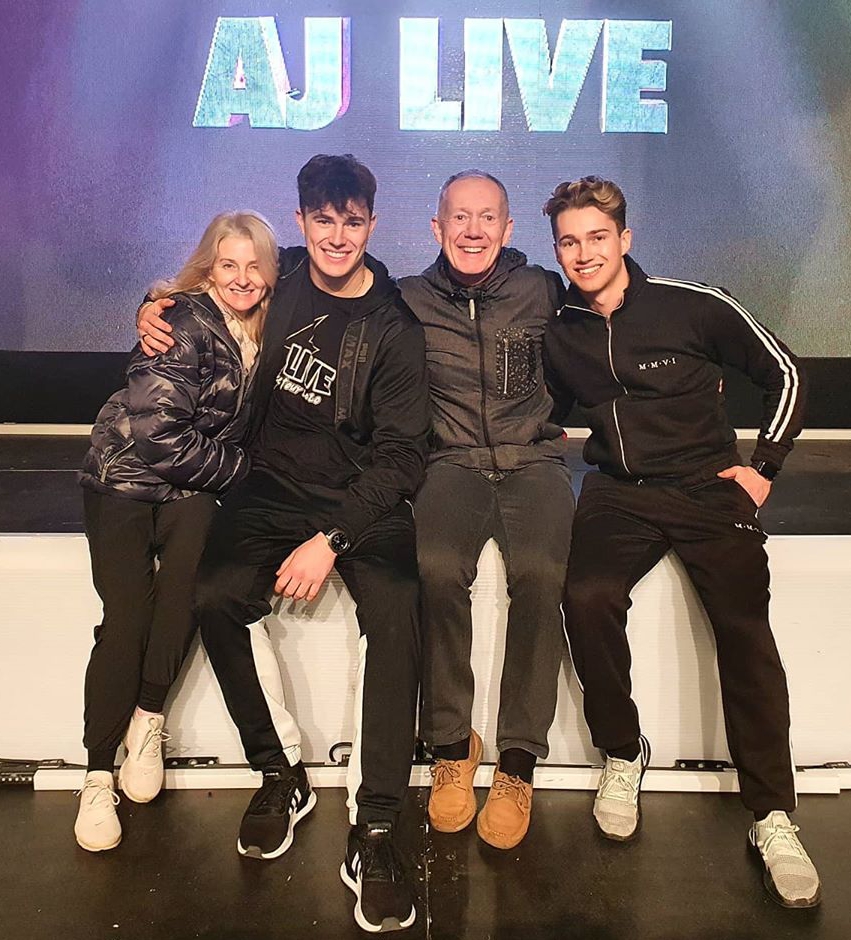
(338, 542)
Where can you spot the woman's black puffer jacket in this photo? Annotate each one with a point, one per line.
(176, 427)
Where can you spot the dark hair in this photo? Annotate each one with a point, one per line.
(467, 175)
(588, 191)
(335, 180)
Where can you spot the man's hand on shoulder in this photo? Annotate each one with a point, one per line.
(152, 329)
(755, 485)
(304, 571)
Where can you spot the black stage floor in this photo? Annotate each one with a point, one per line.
(177, 875)
(38, 492)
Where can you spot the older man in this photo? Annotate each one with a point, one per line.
(497, 470)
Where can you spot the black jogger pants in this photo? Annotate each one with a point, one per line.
(262, 521)
(622, 529)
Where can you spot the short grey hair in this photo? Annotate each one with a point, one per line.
(471, 174)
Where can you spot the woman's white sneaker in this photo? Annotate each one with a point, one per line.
(141, 774)
(97, 827)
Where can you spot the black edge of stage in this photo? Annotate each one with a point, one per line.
(70, 387)
(39, 491)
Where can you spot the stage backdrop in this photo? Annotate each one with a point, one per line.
(127, 126)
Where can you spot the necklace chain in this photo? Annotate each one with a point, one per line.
(357, 291)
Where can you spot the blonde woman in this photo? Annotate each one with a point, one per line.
(162, 447)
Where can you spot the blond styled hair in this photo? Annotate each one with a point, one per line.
(588, 191)
(194, 276)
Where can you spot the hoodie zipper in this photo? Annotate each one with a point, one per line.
(354, 377)
(482, 385)
(614, 401)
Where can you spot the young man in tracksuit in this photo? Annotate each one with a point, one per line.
(338, 439)
(496, 460)
(643, 357)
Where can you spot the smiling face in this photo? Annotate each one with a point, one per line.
(235, 277)
(472, 227)
(336, 243)
(591, 252)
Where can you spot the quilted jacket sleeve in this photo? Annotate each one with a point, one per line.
(163, 396)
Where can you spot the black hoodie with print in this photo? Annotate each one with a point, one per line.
(381, 407)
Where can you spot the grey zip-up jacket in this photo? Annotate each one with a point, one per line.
(490, 407)
(176, 427)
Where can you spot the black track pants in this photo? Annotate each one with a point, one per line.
(622, 530)
(147, 611)
(529, 513)
(261, 522)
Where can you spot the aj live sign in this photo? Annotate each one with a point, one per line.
(246, 76)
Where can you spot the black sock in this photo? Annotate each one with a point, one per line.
(460, 750)
(516, 762)
(281, 767)
(629, 752)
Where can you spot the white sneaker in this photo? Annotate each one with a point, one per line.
(790, 876)
(616, 806)
(97, 827)
(141, 774)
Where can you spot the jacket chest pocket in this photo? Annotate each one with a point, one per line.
(516, 363)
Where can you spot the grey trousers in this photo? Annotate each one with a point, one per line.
(529, 513)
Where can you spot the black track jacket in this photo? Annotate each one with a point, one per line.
(648, 378)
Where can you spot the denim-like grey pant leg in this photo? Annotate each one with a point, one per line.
(529, 512)
(535, 510)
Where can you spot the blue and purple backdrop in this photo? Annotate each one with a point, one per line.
(127, 125)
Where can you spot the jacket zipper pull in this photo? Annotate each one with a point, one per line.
(472, 304)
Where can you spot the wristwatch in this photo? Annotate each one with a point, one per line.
(337, 541)
(766, 469)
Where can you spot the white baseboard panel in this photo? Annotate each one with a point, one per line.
(48, 609)
(814, 780)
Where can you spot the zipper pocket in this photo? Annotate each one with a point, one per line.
(111, 460)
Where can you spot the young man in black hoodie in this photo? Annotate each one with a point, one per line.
(643, 357)
(338, 435)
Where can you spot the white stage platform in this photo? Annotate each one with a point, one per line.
(48, 608)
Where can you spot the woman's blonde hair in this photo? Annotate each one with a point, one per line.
(194, 276)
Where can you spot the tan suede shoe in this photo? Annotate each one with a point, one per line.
(452, 804)
(504, 819)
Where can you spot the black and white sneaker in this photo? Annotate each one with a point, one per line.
(283, 799)
(373, 870)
